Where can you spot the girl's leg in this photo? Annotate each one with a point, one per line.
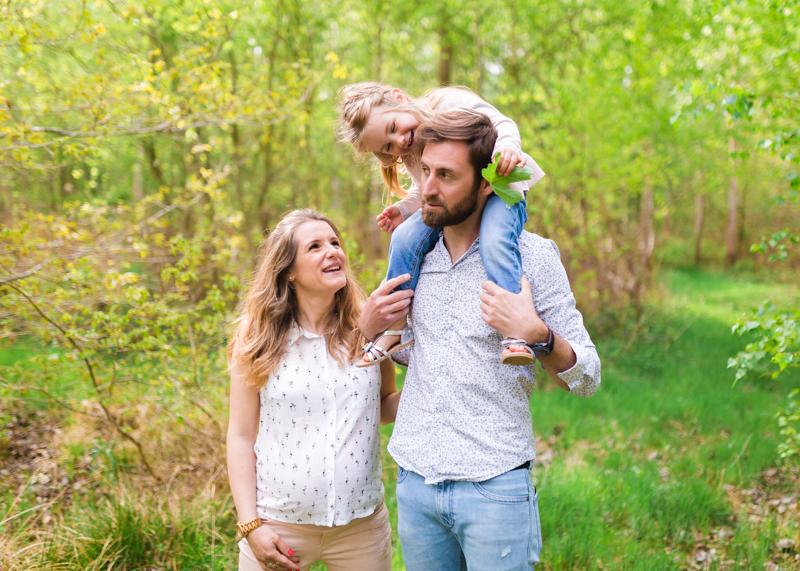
(410, 242)
(501, 226)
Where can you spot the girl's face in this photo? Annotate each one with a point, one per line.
(390, 132)
(319, 265)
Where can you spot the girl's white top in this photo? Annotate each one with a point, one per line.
(508, 137)
(318, 453)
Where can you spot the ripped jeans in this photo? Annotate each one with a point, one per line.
(455, 526)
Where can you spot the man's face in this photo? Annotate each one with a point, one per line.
(449, 189)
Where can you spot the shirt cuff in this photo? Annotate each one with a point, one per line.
(584, 376)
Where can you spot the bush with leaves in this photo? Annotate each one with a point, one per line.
(126, 322)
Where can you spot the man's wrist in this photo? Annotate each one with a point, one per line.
(538, 334)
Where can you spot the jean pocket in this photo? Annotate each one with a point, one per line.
(508, 488)
(401, 474)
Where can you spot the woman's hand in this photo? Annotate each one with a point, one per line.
(271, 551)
(390, 219)
(509, 159)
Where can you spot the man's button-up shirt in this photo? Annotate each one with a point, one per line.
(464, 415)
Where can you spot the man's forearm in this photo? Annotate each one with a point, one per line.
(561, 359)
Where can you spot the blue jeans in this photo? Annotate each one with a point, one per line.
(480, 526)
(501, 226)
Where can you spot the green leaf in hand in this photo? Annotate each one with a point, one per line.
(500, 183)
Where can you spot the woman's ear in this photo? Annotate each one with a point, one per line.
(399, 95)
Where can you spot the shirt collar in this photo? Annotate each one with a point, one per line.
(440, 257)
(297, 332)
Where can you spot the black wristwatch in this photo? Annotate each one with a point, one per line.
(544, 349)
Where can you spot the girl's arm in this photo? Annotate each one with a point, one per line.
(508, 137)
(242, 433)
(390, 398)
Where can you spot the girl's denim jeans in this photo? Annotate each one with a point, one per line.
(501, 226)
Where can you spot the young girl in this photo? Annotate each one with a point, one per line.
(383, 120)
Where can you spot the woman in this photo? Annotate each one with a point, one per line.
(303, 441)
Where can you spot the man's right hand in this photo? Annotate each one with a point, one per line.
(270, 550)
(384, 308)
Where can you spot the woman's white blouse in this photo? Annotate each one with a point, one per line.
(318, 448)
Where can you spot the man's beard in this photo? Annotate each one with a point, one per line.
(454, 215)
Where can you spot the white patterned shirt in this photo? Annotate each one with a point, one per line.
(318, 455)
(464, 415)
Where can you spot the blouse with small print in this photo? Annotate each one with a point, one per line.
(318, 455)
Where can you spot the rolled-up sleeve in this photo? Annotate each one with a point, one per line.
(555, 304)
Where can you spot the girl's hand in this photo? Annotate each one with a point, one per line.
(271, 551)
(389, 219)
(509, 159)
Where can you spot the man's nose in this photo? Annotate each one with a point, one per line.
(429, 186)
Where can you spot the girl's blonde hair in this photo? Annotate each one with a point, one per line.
(356, 102)
(269, 310)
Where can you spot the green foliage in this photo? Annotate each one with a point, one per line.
(500, 183)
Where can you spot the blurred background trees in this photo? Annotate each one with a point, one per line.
(145, 147)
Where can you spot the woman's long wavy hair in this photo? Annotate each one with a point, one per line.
(269, 310)
(356, 102)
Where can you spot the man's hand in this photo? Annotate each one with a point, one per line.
(389, 219)
(509, 159)
(513, 315)
(384, 308)
(270, 550)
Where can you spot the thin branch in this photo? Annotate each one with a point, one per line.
(46, 393)
(165, 127)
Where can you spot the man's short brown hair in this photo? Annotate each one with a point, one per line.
(473, 128)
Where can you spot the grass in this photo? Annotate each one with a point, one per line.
(668, 466)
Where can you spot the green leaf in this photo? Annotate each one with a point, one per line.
(500, 183)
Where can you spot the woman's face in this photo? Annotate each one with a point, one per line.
(390, 132)
(319, 265)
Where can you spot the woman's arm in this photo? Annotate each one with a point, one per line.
(242, 433)
(390, 398)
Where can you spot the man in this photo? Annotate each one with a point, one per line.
(463, 438)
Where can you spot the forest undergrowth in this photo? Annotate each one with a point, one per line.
(668, 466)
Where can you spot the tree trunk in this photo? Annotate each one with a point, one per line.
(647, 240)
(699, 221)
(445, 49)
(478, 54)
(733, 210)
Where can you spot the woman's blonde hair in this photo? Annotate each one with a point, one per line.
(269, 310)
(356, 102)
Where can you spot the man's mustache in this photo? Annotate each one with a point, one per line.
(432, 203)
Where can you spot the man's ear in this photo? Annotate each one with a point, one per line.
(486, 188)
(398, 95)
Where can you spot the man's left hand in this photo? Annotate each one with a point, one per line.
(513, 315)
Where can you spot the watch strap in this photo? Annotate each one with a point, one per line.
(544, 349)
